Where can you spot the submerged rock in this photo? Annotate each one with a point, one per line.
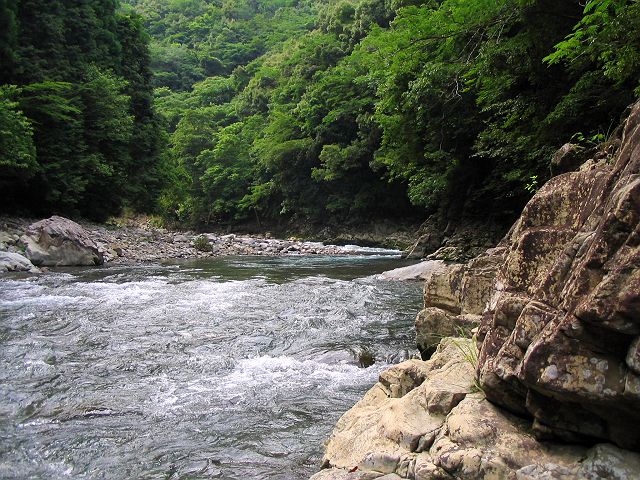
(58, 241)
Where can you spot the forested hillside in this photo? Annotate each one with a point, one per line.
(78, 134)
(357, 108)
(307, 110)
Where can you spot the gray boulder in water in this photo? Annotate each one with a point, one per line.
(14, 262)
(58, 241)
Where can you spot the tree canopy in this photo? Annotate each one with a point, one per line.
(307, 110)
(81, 135)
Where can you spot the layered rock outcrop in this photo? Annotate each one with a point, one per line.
(468, 239)
(558, 371)
(427, 421)
(58, 241)
(561, 336)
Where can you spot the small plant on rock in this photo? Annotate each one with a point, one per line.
(202, 243)
(470, 354)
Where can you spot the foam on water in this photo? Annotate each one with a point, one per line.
(201, 370)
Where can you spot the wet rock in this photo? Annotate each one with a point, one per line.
(14, 262)
(58, 241)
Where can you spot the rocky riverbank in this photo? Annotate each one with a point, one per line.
(146, 243)
(548, 385)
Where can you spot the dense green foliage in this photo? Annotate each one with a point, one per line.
(79, 134)
(321, 111)
(381, 108)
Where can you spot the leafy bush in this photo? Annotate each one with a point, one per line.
(202, 244)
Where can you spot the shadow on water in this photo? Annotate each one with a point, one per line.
(276, 269)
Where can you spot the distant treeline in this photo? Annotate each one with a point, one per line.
(305, 109)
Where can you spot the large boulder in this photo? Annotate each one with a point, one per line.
(14, 262)
(561, 335)
(559, 362)
(425, 420)
(58, 241)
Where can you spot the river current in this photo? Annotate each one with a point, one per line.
(233, 368)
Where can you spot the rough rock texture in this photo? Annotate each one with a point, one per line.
(560, 348)
(430, 237)
(423, 421)
(139, 240)
(567, 158)
(14, 262)
(561, 335)
(58, 241)
(455, 296)
(401, 414)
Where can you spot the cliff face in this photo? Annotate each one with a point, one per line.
(561, 335)
(557, 311)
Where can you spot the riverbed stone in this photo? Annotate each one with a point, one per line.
(14, 262)
(58, 241)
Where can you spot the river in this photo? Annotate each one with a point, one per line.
(233, 368)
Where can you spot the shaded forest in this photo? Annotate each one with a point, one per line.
(219, 111)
